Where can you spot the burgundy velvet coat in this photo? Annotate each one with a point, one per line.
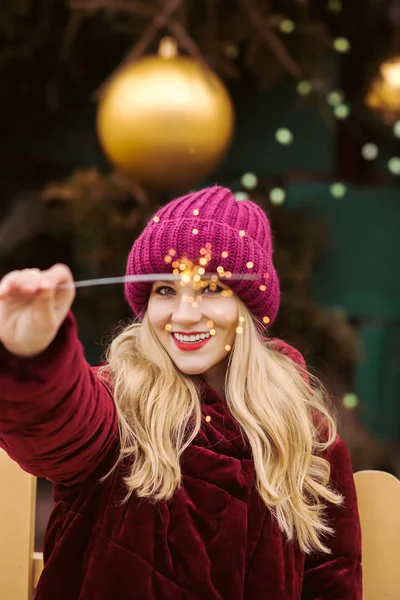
(215, 540)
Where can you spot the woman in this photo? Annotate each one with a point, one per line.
(201, 461)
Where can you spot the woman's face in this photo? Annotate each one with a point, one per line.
(197, 327)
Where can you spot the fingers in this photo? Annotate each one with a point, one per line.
(24, 281)
(32, 281)
(57, 275)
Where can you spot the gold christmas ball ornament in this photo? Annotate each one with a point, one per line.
(165, 120)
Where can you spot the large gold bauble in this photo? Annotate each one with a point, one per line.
(165, 121)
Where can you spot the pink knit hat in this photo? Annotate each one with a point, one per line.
(240, 238)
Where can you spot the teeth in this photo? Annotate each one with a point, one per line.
(190, 339)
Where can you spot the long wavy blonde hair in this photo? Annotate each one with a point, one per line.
(280, 408)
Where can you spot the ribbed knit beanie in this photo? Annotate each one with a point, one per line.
(238, 233)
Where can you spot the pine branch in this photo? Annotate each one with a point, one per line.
(71, 31)
(187, 42)
(266, 32)
(159, 21)
(133, 6)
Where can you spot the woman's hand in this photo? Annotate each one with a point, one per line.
(33, 307)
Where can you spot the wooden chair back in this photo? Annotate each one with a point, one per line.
(20, 567)
(378, 496)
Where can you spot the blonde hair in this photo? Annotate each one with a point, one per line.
(283, 416)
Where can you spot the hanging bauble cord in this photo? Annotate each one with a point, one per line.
(165, 120)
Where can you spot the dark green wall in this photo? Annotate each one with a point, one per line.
(361, 273)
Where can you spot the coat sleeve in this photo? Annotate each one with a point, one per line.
(338, 576)
(57, 419)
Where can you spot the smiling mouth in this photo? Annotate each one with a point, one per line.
(191, 338)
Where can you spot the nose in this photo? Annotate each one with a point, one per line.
(187, 311)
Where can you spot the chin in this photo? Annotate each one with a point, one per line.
(191, 367)
(189, 370)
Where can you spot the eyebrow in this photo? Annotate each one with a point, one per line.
(160, 281)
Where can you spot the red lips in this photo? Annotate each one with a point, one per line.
(190, 346)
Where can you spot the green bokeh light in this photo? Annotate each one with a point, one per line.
(284, 136)
(277, 196)
(231, 51)
(334, 6)
(287, 26)
(342, 45)
(304, 88)
(338, 190)
(341, 111)
(394, 165)
(241, 196)
(249, 181)
(350, 401)
(335, 97)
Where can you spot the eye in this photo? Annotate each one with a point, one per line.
(214, 290)
(164, 290)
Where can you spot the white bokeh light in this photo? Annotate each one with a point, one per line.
(249, 181)
(284, 136)
(277, 196)
(370, 151)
